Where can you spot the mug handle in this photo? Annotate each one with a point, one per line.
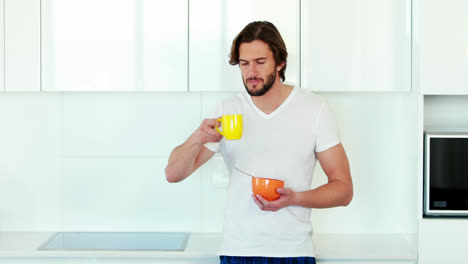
(217, 129)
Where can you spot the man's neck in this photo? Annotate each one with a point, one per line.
(270, 101)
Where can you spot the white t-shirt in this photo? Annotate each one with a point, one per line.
(279, 145)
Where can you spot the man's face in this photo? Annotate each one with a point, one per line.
(258, 68)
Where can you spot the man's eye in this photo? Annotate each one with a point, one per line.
(261, 62)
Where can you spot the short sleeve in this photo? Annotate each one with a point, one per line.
(214, 146)
(327, 129)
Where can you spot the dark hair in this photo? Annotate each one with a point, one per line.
(266, 32)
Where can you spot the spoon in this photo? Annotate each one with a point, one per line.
(244, 172)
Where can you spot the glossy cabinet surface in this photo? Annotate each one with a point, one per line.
(138, 46)
(214, 260)
(356, 45)
(144, 45)
(442, 46)
(22, 45)
(165, 52)
(452, 231)
(202, 248)
(213, 26)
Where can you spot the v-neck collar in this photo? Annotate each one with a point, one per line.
(277, 110)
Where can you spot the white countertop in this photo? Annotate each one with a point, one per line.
(205, 245)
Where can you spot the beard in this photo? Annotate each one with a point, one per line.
(270, 80)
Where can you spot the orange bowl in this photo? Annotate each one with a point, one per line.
(266, 187)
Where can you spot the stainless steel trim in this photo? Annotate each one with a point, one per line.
(427, 147)
(447, 213)
(428, 135)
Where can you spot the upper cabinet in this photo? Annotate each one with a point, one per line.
(213, 26)
(356, 45)
(442, 46)
(107, 45)
(22, 45)
(180, 45)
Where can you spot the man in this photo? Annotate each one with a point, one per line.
(285, 131)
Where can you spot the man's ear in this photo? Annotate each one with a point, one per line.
(280, 66)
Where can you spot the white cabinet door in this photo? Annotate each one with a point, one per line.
(213, 26)
(443, 46)
(22, 45)
(356, 45)
(165, 41)
(107, 45)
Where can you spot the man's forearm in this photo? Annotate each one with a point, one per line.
(332, 194)
(186, 158)
(182, 160)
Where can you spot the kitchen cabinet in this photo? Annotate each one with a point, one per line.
(164, 261)
(443, 240)
(442, 45)
(21, 247)
(133, 46)
(356, 45)
(107, 261)
(22, 45)
(213, 29)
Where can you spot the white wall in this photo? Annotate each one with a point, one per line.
(446, 111)
(379, 133)
(95, 161)
(443, 240)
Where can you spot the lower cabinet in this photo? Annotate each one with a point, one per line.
(443, 240)
(165, 261)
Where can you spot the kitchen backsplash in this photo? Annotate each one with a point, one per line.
(95, 162)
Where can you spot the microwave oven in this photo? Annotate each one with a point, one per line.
(445, 174)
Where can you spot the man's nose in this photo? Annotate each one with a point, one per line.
(252, 71)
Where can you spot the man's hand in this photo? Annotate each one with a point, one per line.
(286, 199)
(207, 132)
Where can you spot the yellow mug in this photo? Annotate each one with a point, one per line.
(232, 126)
